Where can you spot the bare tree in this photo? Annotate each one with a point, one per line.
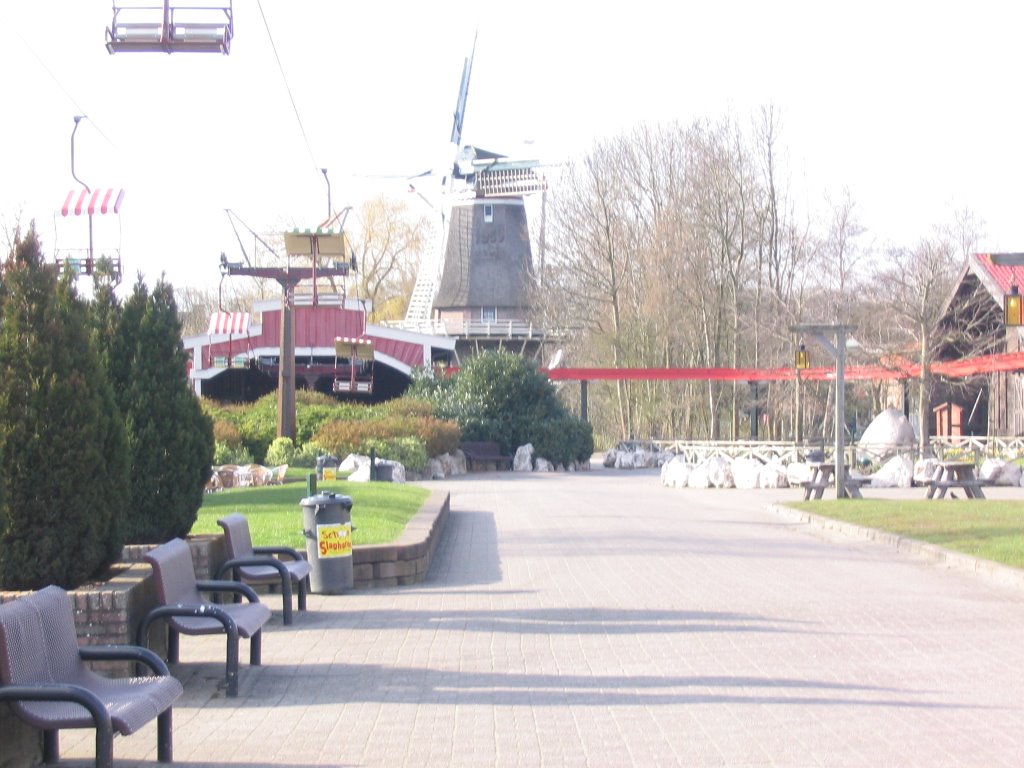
(388, 246)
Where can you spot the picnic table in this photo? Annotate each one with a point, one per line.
(954, 474)
(822, 476)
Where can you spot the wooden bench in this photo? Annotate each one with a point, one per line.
(45, 677)
(484, 452)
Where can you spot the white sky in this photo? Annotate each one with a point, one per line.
(914, 106)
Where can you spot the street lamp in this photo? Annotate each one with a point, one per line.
(821, 334)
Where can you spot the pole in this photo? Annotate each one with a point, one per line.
(286, 367)
(840, 414)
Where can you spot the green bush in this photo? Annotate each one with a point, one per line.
(408, 451)
(503, 398)
(281, 451)
(305, 456)
(223, 453)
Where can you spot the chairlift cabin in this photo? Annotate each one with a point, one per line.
(102, 259)
(356, 373)
(171, 28)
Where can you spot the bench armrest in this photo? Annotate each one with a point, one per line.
(294, 554)
(236, 562)
(134, 653)
(61, 692)
(219, 585)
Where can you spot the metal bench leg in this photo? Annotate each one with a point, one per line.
(232, 661)
(255, 646)
(51, 746)
(286, 599)
(173, 645)
(104, 746)
(303, 586)
(164, 740)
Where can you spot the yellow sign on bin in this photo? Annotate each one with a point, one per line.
(330, 474)
(334, 540)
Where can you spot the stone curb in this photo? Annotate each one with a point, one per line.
(994, 573)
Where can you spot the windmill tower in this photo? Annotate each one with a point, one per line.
(475, 284)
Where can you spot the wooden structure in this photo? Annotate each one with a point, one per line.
(991, 402)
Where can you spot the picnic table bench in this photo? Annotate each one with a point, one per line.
(955, 474)
(822, 476)
(484, 452)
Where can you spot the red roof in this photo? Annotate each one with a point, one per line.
(1004, 276)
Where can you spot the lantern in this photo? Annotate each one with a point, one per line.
(1012, 307)
(803, 358)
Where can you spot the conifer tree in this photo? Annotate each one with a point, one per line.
(170, 438)
(63, 471)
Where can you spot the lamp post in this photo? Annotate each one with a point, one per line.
(821, 333)
(78, 119)
(329, 208)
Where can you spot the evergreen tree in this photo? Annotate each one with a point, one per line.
(62, 458)
(170, 437)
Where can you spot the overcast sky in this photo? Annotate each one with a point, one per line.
(914, 107)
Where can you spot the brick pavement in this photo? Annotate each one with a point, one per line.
(599, 619)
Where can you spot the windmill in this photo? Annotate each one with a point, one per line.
(476, 278)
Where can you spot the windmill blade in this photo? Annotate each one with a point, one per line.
(460, 105)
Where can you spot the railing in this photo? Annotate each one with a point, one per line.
(980, 447)
(975, 448)
(495, 329)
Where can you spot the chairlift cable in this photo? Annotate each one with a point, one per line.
(288, 88)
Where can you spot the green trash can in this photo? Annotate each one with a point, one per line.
(327, 527)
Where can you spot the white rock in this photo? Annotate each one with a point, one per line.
(699, 476)
(352, 462)
(888, 431)
(746, 472)
(675, 473)
(924, 470)
(897, 472)
(543, 465)
(454, 464)
(523, 460)
(1000, 472)
(798, 472)
(610, 458)
(435, 469)
(720, 472)
(772, 475)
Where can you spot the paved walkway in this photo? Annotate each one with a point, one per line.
(599, 619)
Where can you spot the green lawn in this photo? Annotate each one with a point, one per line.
(989, 529)
(379, 510)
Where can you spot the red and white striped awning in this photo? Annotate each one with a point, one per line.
(79, 201)
(228, 322)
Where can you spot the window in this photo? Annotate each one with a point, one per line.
(488, 213)
(488, 314)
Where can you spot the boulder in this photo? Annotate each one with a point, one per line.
(924, 470)
(699, 476)
(675, 473)
(1000, 472)
(798, 472)
(434, 470)
(352, 462)
(772, 475)
(887, 433)
(897, 472)
(523, 460)
(746, 472)
(453, 463)
(720, 472)
(543, 465)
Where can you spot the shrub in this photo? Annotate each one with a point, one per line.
(305, 456)
(408, 451)
(224, 453)
(503, 398)
(281, 451)
(227, 433)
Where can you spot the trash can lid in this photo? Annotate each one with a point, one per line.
(326, 499)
